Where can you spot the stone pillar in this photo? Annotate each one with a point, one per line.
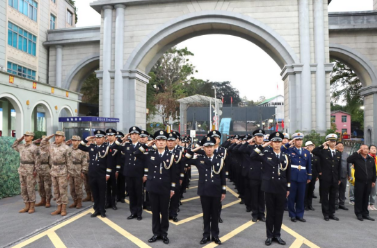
(304, 104)
(320, 91)
(183, 118)
(106, 61)
(5, 128)
(370, 116)
(59, 58)
(118, 82)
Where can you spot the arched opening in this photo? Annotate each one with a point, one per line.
(41, 119)
(11, 116)
(64, 112)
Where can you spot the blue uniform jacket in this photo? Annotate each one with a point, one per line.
(303, 160)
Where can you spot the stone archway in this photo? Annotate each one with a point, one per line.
(65, 111)
(368, 77)
(47, 112)
(17, 106)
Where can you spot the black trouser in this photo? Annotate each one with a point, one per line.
(135, 190)
(210, 206)
(257, 198)
(98, 187)
(309, 192)
(160, 205)
(328, 195)
(341, 193)
(174, 202)
(275, 204)
(362, 192)
(146, 201)
(111, 190)
(247, 196)
(121, 187)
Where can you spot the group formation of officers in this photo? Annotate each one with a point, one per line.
(270, 173)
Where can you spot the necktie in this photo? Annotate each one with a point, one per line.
(299, 151)
(332, 153)
(160, 155)
(278, 156)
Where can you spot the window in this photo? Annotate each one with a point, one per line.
(20, 71)
(344, 131)
(332, 118)
(54, 1)
(21, 39)
(26, 7)
(52, 21)
(69, 17)
(344, 118)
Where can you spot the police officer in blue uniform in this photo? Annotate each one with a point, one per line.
(301, 174)
(276, 185)
(100, 169)
(211, 186)
(160, 175)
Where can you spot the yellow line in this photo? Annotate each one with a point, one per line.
(56, 241)
(297, 243)
(194, 180)
(195, 174)
(232, 192)
(298, 236)
(190, 199)
(193, 187)
(233, 233)
(31, 240)
(123, 232)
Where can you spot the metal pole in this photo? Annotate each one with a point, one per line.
(216, 114)
(210, 115)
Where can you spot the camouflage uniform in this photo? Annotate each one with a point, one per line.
(29, 154)
(61, 160)
(79, 163)
(43, 169)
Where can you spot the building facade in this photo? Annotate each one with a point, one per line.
(342, 121)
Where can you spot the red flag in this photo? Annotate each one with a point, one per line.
(282, 124)
(231, 99)
(222, 99)
(277, 127)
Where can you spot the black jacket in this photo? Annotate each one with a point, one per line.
(99, 159)
(133, 167)
(330, 166)
(254, 166)
(365, 169)
(315, 164)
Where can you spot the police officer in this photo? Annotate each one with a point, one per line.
(144, 137)
(211, 187)
(329, 175)
(160, 175)
(310, 186)
(121, 181)
(133, 172)
(275, 184)
(99, 169)
(301, 174)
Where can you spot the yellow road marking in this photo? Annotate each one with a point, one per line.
(190, 199)
(195, 174)
(124, 233)
(297, 243)
(193, 187)
(231, 234)
(298, 237)
(194, 180)
(56, 241)
(53, 229)
(232, 192)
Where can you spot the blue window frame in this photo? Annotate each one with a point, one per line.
(52, 21)
(21, 39)
(26, 7)
(20, 71)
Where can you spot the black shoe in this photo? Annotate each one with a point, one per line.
(170, 217)
(115, 207)
(153, 239)
(95, 214)
(333, 217)
(242, 202)
(254, 219)
(301, 219)
(293, 219)
(343, 207)
(326, 218)
(248, 210)
(311, 208)
(180, 203)
(165, 240)
(286, 209)
(131, 217)
(368, 218)
(262, 218)
(139, 218)
(314, 196)
(220, 220)
(204, 241)
(360, 218)
(175, 219)
(280, 241)
(268, 241)
(103, 215)
(216, 240)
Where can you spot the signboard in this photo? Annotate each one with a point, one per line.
(88, 118)
(192, 133)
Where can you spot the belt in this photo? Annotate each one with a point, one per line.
(44, 162)
(27, 162)
(76, 162)
(58, 163)
(299, 167)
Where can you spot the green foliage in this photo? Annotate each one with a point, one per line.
(90, 89)
(9, 163)
(74, 6)
(39, 134)
(155, 126)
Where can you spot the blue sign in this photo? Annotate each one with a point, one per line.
(87, 118)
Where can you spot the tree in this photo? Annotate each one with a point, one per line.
(90, 89)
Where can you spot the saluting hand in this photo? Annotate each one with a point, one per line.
(266, 144)
(22, 138)
(68, 142)
(197, 148)
(49, 137)
(150, 143)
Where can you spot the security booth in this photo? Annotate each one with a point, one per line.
(85, 126)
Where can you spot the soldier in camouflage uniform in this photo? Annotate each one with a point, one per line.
(29, 154)
(76, 172)
(61, 160)
(44, 177)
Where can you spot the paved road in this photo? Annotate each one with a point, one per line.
(79, 230)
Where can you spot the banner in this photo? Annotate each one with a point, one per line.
(9, 163)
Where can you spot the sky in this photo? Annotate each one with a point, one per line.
(245, 65)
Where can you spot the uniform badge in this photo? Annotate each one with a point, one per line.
(134, 128)
(293, 153)
(92, 149)
(128, 148)
(103, 150)
(161, 132)
(208, 139)
(152, 158)
(305, 155)
(269, 158)
(202, 162)
(167, 160)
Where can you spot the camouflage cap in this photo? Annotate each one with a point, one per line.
(29, 133)
(76, 138)
(60, 133)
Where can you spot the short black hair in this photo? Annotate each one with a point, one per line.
(339, 143)
(372, 146)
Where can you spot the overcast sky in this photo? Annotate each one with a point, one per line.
(249, 68)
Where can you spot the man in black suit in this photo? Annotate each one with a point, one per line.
(311, 186)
